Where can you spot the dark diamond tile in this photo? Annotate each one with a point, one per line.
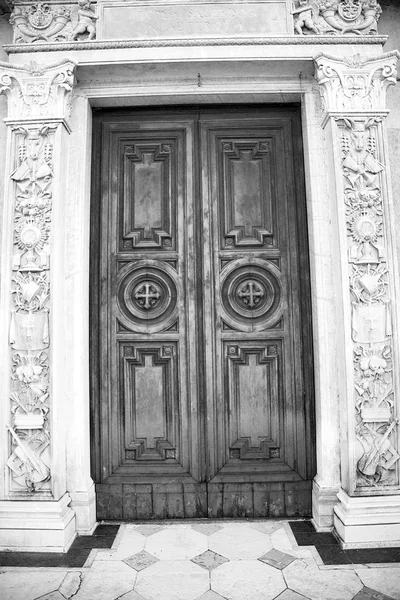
(302, 526)
(75, 557)
(141, 560)
(106, 530)
(333, 555)
(209, 560)
(93, 541)
(277, 559)
(315, 539)
(374, 555)
(369, 594)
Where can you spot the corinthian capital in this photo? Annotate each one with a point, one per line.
(355, 84)
(38, 91)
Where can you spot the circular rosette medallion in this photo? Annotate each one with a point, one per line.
(251, 294)
(146, 296)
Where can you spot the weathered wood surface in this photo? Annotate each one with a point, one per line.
(201, 333)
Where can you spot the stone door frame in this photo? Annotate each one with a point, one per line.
(293, 81)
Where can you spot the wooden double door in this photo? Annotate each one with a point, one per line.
(202, 400)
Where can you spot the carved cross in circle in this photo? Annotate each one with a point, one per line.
(147, 295)
(251, 293)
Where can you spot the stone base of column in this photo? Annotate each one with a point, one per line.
(84, 505)
(367, 521)
(323, 502)
(37, 526)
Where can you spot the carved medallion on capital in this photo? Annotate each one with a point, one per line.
(353, 91)
(39, 101)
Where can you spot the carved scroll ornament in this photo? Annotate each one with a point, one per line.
(33, 92)
(345, 17)
(363, 172)
(48, 22)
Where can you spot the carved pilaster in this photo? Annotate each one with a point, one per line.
(353, 92)
(39, 105)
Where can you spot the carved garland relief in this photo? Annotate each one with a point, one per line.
(363, 171)
(29, 336)
(44, 22)
(327, 17)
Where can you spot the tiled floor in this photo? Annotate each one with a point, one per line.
(250, 560)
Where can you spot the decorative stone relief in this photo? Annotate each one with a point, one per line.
(355, 83)
(42, 22)
(345, 17)
(29, 329)
(359, 86)
(37, 92)
(33, 92)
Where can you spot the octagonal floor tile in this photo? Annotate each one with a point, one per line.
(247, 580)
(316, 584)
(172, 580)
(239, 542)
(176, 543)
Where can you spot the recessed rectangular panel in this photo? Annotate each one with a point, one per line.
(147, 199)
(149, 402)
(246, 186)
(254, 398)
(148, 196)
(246, 193)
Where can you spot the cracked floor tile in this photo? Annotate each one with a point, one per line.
(29, 585)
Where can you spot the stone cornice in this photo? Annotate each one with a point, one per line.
(355, 84)
(307, 40)
(38, 91)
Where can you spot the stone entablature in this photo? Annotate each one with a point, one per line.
(38, 22)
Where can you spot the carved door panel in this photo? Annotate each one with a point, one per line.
(147, 434)
(200, 332)
(260, 456)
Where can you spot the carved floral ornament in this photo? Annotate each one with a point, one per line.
(45, 22)
(353, 91)
(39, 100)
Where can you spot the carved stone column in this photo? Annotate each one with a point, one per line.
(353, 93)
(34, 505)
